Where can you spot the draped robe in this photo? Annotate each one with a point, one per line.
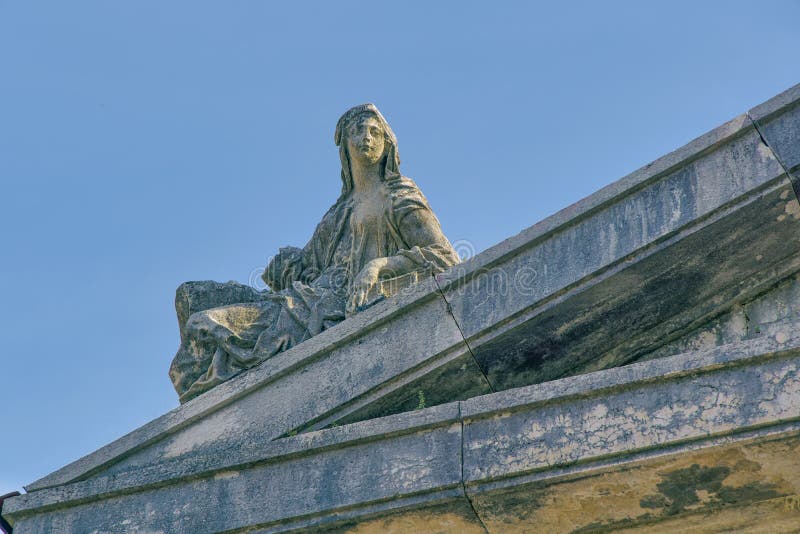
(311, 285)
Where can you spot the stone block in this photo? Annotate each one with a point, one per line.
(412, 460)
(634, 419)
(341, 382)
(703, 231)
(778, 121)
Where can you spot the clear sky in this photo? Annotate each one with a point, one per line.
(145, 143)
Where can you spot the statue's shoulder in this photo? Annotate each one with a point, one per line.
(332, 219)
(405, 181)
(403, 189)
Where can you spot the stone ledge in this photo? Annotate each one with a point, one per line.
(776, 105)
(408, 462)
(348, 335)
(620, 378)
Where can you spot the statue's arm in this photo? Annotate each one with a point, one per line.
(428, 249)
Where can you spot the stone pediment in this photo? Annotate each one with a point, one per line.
(676, 258)
(611, 448)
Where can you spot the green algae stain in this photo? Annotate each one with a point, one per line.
(681, 489)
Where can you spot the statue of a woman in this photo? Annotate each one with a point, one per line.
(379, 236)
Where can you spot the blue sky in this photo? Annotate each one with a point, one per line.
(147, 143)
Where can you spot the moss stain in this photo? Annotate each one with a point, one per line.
(695, 486)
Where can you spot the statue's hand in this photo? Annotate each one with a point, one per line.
(362, 284)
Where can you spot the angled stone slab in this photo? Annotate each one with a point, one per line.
(373, 468)
(725, 416)
(311, 385)
(778, 121)
(640, 263)
(763, 316)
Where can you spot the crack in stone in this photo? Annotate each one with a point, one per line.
(463, 483)
(795, 181)
(461, 333)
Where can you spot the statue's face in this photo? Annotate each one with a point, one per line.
(365, 140)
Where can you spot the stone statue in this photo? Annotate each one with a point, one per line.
(379, 237)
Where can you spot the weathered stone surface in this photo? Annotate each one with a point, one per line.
(283, 481)
(626, 316)
(723, 425)
(739, 487)
(458, 379)
(778, 120)
(763, 316)
(456, 516)
(616, 283)
(629, 420)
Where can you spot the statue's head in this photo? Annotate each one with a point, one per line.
(363, 133)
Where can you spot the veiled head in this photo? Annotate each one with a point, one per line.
(353, 132)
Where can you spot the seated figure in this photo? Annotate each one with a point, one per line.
(379, 236)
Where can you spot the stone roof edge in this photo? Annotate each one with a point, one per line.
(372, 318)
(455, 413)
(624, 186)
(777, 104)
